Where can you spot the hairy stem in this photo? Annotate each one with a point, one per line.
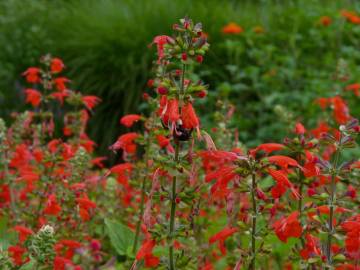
(254, 217)
(332, 203)
(173, 209)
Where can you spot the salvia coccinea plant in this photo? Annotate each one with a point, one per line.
(46, 181)
(179, 199)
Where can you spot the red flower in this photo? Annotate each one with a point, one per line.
(16, 253)
(355, 87)
(126, 142)
(341, 111)
(171, 113)
(221, 236)
(312, 247)
(32, 75)
(162, 141)
(232, 29)
(5, 195)
(282, 184)
(60, 83)
(325, 20)
(52, 208)
(130, 119)
(56, 65)
(283, 161)
(60, 96)
(23, 232)
(33, 97)
(288, 227)
(352, 240)
(90, 101)
(269, 147)
(160, 41)
(188, 117)
(299, 129)
(145, 249)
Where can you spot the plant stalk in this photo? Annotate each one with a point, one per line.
(173, 210)
(142, 200)
(332, 202)
(254, 219)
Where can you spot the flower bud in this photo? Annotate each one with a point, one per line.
(199, 58)
(162, 90)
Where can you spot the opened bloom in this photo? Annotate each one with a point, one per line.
(33, 97)
(288, 227)
(56, 65)
(32, 75)
(90, 101)
(129, 120)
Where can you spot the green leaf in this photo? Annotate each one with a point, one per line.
(121, 236)
(29, 266)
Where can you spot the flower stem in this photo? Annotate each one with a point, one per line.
(332, 202)
(173, 209)
(254, 217)
(143, 191)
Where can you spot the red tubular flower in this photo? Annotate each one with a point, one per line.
(282, 184)
(162, 141)
(312, 247)
(5, 195)
(60, 83)
(129, 120)
(352, 240)
(33, 97)
(160, 41)
(232, 29)
(171, 115)
(145, 249)
(126, 143)
(288, 227)
(341, 110)
(188, 117)
(23, 232)
(283, 161)
(32, 75)
(52, 208)
(221, 236)
(299, 129)
(269, 147)
(123, 171)
(56, 65)
(90, 101)
(16, 253)
(60, 96)
(355, 87)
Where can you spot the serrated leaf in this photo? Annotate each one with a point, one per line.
(121, 236)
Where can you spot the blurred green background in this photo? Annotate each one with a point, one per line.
(271, 78)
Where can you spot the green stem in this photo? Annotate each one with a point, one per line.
(173, 209)
(254, 219)
(332, 201)
(143, 190)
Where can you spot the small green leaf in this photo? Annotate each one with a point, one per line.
(29, 265)
(121, 236)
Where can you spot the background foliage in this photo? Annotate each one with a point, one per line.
(271, 78)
